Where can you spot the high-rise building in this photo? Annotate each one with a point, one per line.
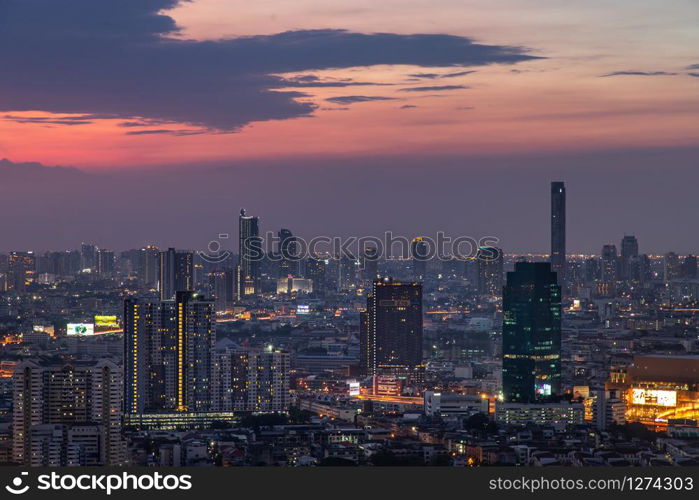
(67, 414)
(88, 257)
(287, 251)
(531, 337)
(610, 264)
(490, 270)
(176, 272)
(21, 270)
(56, 263)
(672, 267)
(315, 271)
(419, 254)
(628, 268)
(221, 284)
(249, 255)
(249, 380)
(105, 262)
(391, 328)
(167, 353)
(558, 230)
(347, 272)
(149, 266)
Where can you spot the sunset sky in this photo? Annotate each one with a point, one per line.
(109, 86)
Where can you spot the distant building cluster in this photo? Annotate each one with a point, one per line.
(172, 357)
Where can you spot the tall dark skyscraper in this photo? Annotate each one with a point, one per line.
(249, 255)
(391, 328)
(167, 353)
(558, 230)
(628, 266)
(315, 271)
(176, 272)
(490, 270)
(149, 265)
(287, 250)
(610, 264)
(531, 337)
(105, 262)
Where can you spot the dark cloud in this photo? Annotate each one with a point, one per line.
(351, 99)
(121, 59)
(309, 81)
(60, 120)
(695, 75)
(166, 132)
(638, 73)
(693, 66)
(434, 88)
(408, 106)
(432, 76)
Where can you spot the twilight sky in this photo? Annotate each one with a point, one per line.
(348, 117)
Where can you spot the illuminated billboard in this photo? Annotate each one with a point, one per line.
(654, 397)
(303, 309)
(106, 321)
(80, 329)
(354, 388)
(542, 389)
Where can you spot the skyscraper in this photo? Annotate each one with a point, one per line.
(167, 353)
(558, 230)
(149, 266)
(67, 414)
(249, 255)
(249, 379)
(21, 270)
(531, 337)
(610, 264)
(221, 289)
(628, 268)
(315, 271)
(176, 272)
(88, 256)
(672, 267)
(105, 262)
(347, 272)
(490, 270)
(287, 253)
(391, 328)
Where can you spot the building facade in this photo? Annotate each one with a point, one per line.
(531, 338)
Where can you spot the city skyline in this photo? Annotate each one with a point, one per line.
(300, 233)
